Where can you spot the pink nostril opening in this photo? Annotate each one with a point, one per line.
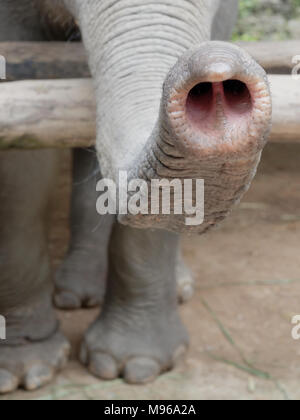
(200, 101)
(208, 102)
(237, 96)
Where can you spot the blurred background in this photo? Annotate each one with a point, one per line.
(268, 20)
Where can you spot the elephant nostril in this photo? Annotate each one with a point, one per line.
(209, 102)
(200, 101)
(218, 102)
(237, 96)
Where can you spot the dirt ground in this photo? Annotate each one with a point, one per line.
(248, 289)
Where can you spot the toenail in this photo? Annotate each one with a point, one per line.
(37, 376)
(141, 370)
(8, 382)
(67, 300)
(103, 366)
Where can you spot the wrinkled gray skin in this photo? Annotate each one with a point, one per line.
(132, 47)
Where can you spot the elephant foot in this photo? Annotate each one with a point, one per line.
(137, 351)
(80, 281)
(32, 365)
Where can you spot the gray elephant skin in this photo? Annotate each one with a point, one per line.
(174, 100)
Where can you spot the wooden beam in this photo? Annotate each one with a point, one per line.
(276, 57)
(62, 113)
(46, 114)
(44, 60)
(60, 60)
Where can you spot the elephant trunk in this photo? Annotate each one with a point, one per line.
(205, 119)
(214, 120)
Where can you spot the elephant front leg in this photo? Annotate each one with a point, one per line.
(34, 349)
(81, 280)
(139, 333)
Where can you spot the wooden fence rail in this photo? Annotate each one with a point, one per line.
(61, 113)
(60, 60)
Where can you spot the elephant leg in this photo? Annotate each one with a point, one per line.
(139, 333)
(81, 280)
(34, 348)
